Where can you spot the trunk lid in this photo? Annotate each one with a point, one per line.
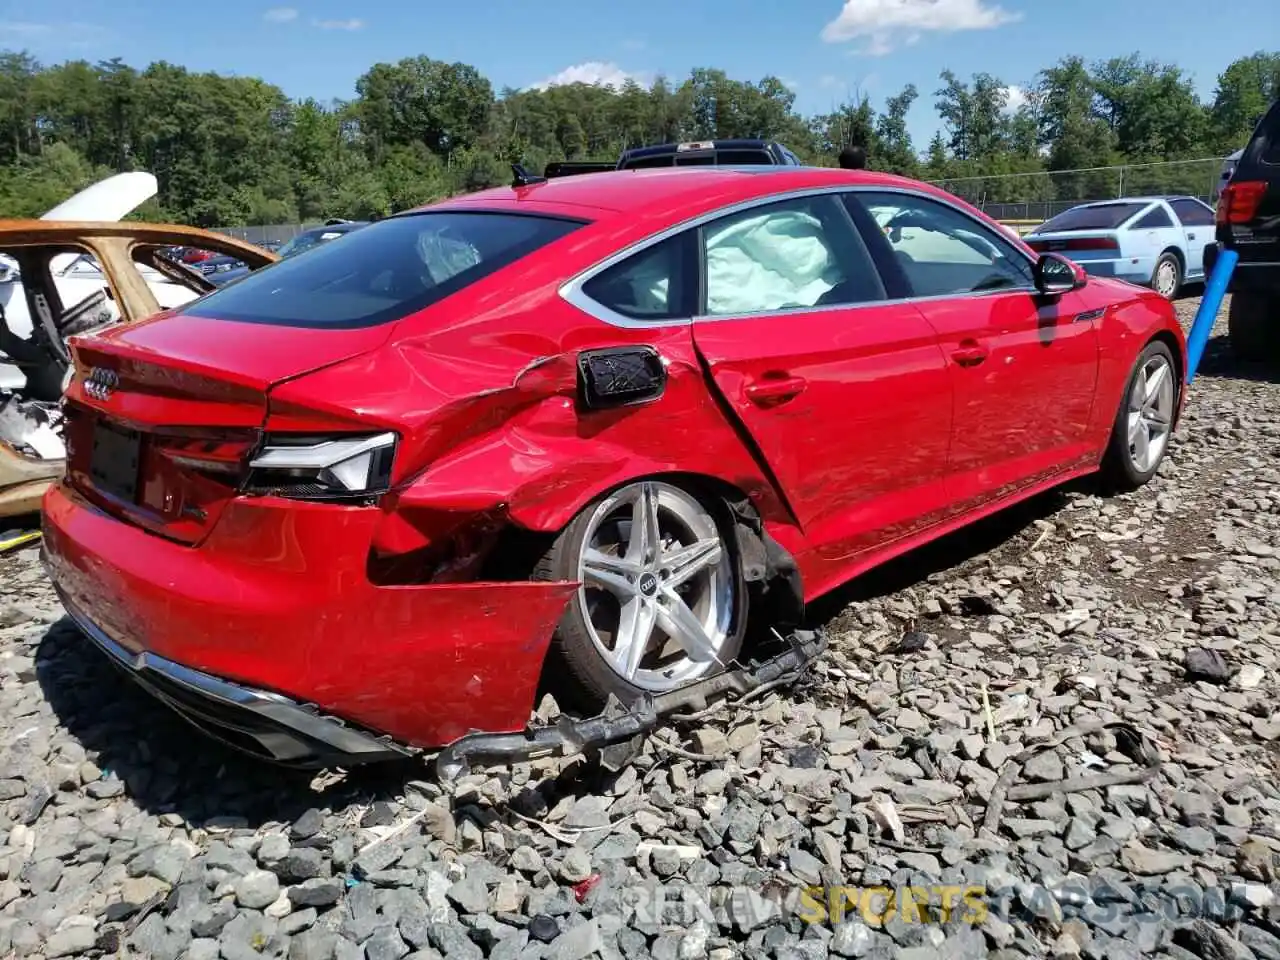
(162, 416)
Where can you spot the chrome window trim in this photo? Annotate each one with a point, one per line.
(571, 290)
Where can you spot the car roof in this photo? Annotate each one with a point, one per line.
(627, 192)
(40, 232)
(1152, 199)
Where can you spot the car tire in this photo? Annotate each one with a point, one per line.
(602, 547)
(1253, 327)
(1144, 420)
(1166, 278)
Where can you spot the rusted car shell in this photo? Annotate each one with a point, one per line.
(116, 246)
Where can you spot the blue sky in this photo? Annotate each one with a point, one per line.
(824, 49)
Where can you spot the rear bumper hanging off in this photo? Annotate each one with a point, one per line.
(615, 731)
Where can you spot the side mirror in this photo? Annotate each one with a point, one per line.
(1056, 275)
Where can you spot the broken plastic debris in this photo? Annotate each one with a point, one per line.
(580, 890)
(31, 426)
(886, 815)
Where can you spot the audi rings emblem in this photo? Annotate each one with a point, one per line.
(101, 382)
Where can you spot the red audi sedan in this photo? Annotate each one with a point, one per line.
(576, 434)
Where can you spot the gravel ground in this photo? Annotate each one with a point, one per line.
(1075, 637)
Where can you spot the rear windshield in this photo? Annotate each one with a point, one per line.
(384, 271)
(1103, 216)
(721, 158)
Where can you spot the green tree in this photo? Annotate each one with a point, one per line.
(234, 150)
(1245, 90)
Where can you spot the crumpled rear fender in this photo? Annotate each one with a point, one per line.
(550, 459)
(475, 458)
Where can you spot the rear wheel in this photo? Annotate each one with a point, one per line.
(1253, 324)
(662, 603)
(1166, 278)
(1144, 422)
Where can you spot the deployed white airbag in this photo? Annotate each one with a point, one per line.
(770, 261)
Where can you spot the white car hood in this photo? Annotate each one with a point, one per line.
(106, 201)
(111, 199)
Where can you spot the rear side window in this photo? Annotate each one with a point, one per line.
(384, 271)
(1154, 220)
(1192, 213)
(1102, 216)
(653, 284)
(644, 163)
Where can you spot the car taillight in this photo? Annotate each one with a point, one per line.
(1239, 201)
(322, 468)
(1093, 243)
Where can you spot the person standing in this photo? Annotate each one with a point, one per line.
(853, 157)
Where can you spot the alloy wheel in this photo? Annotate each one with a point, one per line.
(1151, 402)
(1167, 279)
(658, 595)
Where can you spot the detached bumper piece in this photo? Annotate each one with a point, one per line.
(614, 732)
(261, 724)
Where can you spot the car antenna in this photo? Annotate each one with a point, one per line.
(523, 178)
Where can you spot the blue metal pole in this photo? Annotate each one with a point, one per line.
(1215, 289)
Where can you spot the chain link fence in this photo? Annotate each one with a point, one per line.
(275, 233)
(1019, 198)
(1036, 197)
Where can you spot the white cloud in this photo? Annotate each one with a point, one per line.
(593, 72)
(280, 15)
(62, 35)
(884, 24)
(352, 24)
(1017, 98)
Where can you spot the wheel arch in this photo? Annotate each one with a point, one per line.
(769, 568)
(1178, 255)
(1179, 357)
(1176, 348)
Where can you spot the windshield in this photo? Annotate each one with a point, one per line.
(1101, 216)
(384, 271)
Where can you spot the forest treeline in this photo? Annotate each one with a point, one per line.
(229, 151)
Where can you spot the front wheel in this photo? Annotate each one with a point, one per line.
(1144, 422)
(662, 601)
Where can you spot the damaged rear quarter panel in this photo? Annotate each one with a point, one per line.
(488, 413)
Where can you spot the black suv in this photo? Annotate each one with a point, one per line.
(1249, 223)
(700, 153)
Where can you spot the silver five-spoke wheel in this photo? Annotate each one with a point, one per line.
(658, 596)
(1151, 407)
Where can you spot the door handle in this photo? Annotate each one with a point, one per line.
(969, 353)
(774, 390)
(1191, 236)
